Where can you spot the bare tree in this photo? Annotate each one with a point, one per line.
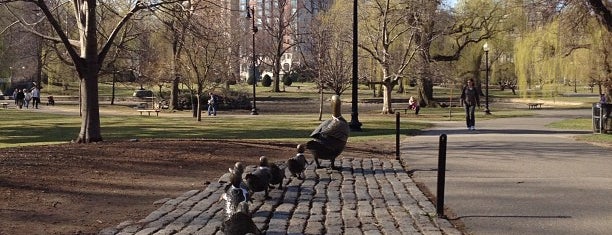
(326, 52)
(280, 33)
(206, 44)
(445, 38)
(389, 41)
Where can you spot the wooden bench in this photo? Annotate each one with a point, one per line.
(149, 111)
(406, 110)
(534, 105)
(4, 105)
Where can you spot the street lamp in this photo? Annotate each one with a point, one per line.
(251, 15)
(355, 125)
(485, 47)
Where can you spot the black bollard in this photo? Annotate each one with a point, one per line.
(397, 136)
(441, 176)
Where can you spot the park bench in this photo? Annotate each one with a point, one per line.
(534, 105)
(149, 111)
(4, 105)
(405, 110)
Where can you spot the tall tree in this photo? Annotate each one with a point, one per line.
(176, 18)
(444, 36)
(602, 12)
(326, 52)
(206, 44)
(388, 40)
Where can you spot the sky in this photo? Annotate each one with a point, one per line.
(450, 2)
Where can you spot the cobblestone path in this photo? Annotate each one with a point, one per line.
(367, 196)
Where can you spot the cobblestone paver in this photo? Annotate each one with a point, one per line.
(367, 196)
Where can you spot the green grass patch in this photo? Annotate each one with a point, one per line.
(582, 124)
(45, 128)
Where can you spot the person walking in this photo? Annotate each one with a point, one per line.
(212, 104)
(470, 99)
(20, 97)
(15, 92)
(35, 96)
(27, 98)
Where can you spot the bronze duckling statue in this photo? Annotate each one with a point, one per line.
(259, 180)
(297, 164)
(241, 222)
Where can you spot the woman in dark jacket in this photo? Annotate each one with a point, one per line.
(470, 99)
(19, 98)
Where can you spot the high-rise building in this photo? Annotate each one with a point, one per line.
(291, 18)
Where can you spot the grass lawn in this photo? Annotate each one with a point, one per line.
(49, 128)
(583, 124)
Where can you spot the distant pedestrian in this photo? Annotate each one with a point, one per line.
(15, 92)
(20, 98)
(470, 99)
(35, 96)
(212, 104)
(27, 98)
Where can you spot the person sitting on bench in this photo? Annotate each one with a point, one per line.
(413, 104)
(50, 100)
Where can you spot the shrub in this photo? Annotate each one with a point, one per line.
(289, 78)
(226, 100)
(267, 81)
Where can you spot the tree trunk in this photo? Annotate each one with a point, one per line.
(276, 75)
(387, 88)
(174, 93)
(321, 103)
(90, 120)
(387, 105)
(199, 108)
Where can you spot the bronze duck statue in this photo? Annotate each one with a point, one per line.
(329, 138)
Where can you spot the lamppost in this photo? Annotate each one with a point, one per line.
(485, 47)
(251, 15)
(355, 125)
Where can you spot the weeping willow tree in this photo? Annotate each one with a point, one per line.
(538, 60)
(563, 51)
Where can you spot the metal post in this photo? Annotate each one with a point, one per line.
(254, 29)
(397, 136)
(441, 176)
(487, 111)
(355, 125)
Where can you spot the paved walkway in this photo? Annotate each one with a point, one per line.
(367, 196)
(517, 176)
